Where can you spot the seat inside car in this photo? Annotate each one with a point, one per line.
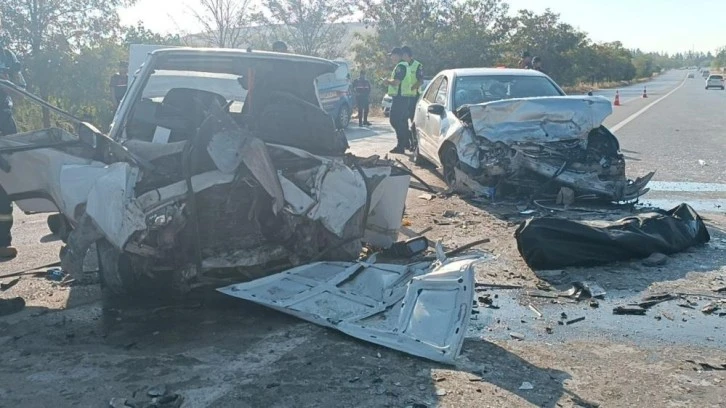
(184, 109)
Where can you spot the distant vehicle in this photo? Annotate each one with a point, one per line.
(486, 127)
(690, 75)
(705, 73)
(387, 99)
(715, 81)
(334, 94)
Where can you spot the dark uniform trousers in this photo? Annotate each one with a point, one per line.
(400, 112)
(7, 127)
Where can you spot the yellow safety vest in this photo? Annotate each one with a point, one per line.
(397, 90)
(410, 80)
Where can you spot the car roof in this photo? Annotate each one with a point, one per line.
(464, 72)
(201, 52)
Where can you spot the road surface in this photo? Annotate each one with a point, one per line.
(66, 350)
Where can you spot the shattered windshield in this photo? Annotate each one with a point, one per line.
(470, 90)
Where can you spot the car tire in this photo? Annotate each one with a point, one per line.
(386, 114)
(343, 119)
(123, 280)
(449, 162)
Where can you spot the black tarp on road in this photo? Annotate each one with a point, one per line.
(551, 243)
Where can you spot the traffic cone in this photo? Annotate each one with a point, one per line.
(617, 98)
(645, 92)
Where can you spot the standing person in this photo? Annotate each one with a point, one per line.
(362, 89)
(537, 65)
(413, 81)
(400, 104)
(526, 61)
(119, 83)
(279, 46)
(10, 69)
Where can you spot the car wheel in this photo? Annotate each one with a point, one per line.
(386, 114)
(123, 279)
(343, 119)
(449, 162)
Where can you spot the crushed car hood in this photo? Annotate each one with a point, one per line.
(547, 119)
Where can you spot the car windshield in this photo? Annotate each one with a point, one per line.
(226, 85)
(470, 90)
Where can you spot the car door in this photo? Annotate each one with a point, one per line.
(429, 124)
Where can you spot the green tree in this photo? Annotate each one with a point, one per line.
(48, 33)
(139, 34)
(310, 27)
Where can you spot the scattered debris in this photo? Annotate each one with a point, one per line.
(426, 196)
(592, 288)
(576, 320)
(467, 247)
(594, 304)
(5, 286)
(55, 274)
(667, 315)
(542, 294)
(629, 310)
(549, 330)
(708, 366)
(710, 308)
(485, 300)
(655, 259)
(516, 336)
(535, 310)
(118, 403)
(565, 197)
(450, 214)
(441, 392)
(526, 386)
(485, 286)
(377, 302)
(552, 243)
(407, 249)
(651, 300)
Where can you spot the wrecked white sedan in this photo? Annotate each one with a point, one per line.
(493, 129)
(220, 166)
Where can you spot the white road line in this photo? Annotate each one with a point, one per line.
(642, 111)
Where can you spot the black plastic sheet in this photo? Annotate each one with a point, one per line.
(551, 243)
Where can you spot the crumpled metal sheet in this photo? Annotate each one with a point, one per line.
(421, 309)
(546, 119)
(112, 204)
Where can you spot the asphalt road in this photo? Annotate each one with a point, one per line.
(65, 350)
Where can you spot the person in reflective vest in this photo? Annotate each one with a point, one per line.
(400, 103)
(414, 80)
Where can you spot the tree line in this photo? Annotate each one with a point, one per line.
(70, 48)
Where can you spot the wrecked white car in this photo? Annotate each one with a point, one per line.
(220, 166)
(491, 129)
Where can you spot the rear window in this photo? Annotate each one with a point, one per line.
(716, 76)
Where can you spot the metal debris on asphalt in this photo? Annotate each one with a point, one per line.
(426, 196)
(5, 286)
(710, 308)
(575, 320)
(526, 386)
(629, 310)
(535, 310)
(516, 336)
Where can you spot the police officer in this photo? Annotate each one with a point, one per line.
(9, 70)
(400, 103)
(413, 81)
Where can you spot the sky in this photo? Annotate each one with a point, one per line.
(651, 25)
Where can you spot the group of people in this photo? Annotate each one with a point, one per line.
(403, 87)
(528, 62)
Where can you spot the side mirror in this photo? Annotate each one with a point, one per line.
(436, 109)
